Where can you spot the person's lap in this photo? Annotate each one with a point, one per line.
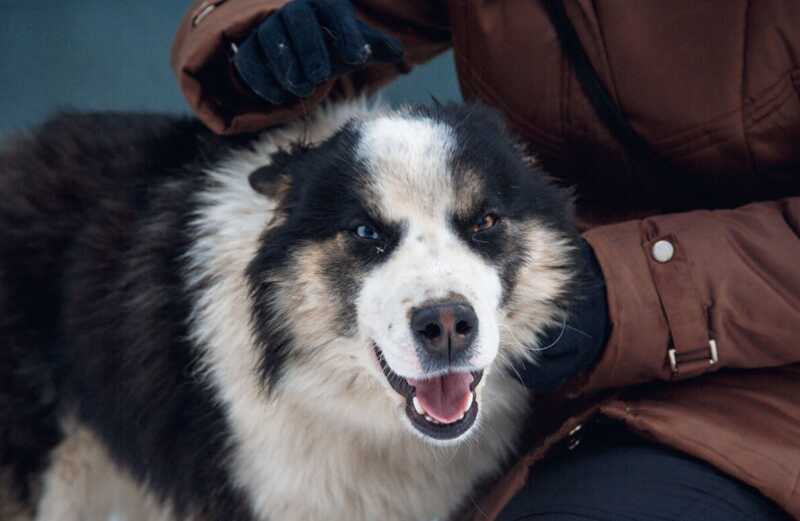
(613, 476)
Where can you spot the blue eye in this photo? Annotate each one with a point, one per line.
(367, 232)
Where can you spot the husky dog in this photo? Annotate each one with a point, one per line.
(317, 322)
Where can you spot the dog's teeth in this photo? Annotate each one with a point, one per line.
(418, 406)
(469, 402)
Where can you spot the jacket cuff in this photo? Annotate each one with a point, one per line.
(660, 325)
(201, 59)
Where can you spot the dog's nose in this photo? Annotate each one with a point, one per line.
(445, 330)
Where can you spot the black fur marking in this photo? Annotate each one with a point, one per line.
(325, 203)
(93, 219)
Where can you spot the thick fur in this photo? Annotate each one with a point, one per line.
(196, 342)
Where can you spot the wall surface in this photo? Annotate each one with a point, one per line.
(114, 54)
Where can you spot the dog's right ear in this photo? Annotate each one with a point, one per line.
(272, 181)
(277, 179)
(281, 177)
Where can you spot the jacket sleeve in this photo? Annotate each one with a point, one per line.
(203, 46)
(687, 289)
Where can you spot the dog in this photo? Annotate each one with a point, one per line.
(320, 321)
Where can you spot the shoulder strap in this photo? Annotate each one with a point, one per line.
(604, 105)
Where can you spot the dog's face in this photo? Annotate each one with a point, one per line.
(411, 254)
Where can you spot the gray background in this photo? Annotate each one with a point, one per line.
(114, 54)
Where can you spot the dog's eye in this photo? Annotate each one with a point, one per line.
(485, 222)
(365, 231)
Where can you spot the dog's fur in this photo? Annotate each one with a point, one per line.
(185, 340)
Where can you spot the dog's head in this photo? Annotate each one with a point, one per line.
(410, 254)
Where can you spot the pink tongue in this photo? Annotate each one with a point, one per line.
(445, 397)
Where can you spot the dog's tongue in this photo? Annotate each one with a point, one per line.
(445, 397)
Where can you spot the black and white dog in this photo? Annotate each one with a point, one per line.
(319, 322)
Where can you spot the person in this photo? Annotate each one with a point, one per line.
(672, 391)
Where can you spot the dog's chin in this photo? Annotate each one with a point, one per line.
(442, 408)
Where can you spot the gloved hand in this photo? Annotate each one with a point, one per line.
(571, 347)
(305, 43)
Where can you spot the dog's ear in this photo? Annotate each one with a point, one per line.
(272, 181)
(281, 179)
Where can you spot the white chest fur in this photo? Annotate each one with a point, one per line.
(308, 469)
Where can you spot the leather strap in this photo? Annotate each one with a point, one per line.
(603, 104)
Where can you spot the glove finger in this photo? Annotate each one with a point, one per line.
(281, 58)
(385, 48)
(339, 19)
(251, 65)
(307, 41)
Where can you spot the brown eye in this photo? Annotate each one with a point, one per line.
(485, 222)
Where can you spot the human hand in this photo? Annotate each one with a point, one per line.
(567, 349)
(305, 43)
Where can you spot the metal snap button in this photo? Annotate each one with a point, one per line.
(663, 251)
(574, 438)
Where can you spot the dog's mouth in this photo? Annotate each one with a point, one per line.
(442, 407)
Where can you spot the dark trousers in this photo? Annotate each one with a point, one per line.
(613, 475)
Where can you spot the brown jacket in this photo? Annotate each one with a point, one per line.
(714, 87)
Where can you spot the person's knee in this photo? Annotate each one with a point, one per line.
(608, 481)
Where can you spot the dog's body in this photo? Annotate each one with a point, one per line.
(204, 328)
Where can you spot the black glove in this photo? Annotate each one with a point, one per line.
(573, 346)
(305, 43)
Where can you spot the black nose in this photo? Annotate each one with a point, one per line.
(445, 330)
